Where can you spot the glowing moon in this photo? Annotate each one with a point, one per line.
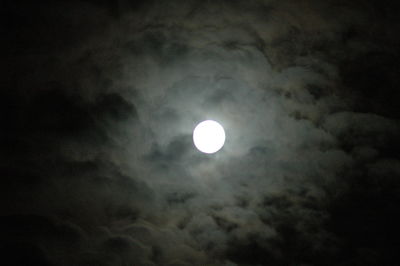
(209, 136)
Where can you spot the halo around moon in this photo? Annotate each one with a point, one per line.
(209, 136)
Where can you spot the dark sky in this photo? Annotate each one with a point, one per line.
(99, 100)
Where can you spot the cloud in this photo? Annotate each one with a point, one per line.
(99, 166)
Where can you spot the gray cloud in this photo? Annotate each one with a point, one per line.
(99, 166)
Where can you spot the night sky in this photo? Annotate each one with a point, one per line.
(98, 103)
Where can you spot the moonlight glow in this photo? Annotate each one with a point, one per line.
(209, 136)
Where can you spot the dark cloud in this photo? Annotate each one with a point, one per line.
(98, 105)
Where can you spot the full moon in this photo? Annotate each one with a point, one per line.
(209, 136)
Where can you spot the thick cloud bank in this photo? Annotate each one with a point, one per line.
(98, 105)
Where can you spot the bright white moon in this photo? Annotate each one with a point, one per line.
(209, 136)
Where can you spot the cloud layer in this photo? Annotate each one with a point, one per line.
(99, 105)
